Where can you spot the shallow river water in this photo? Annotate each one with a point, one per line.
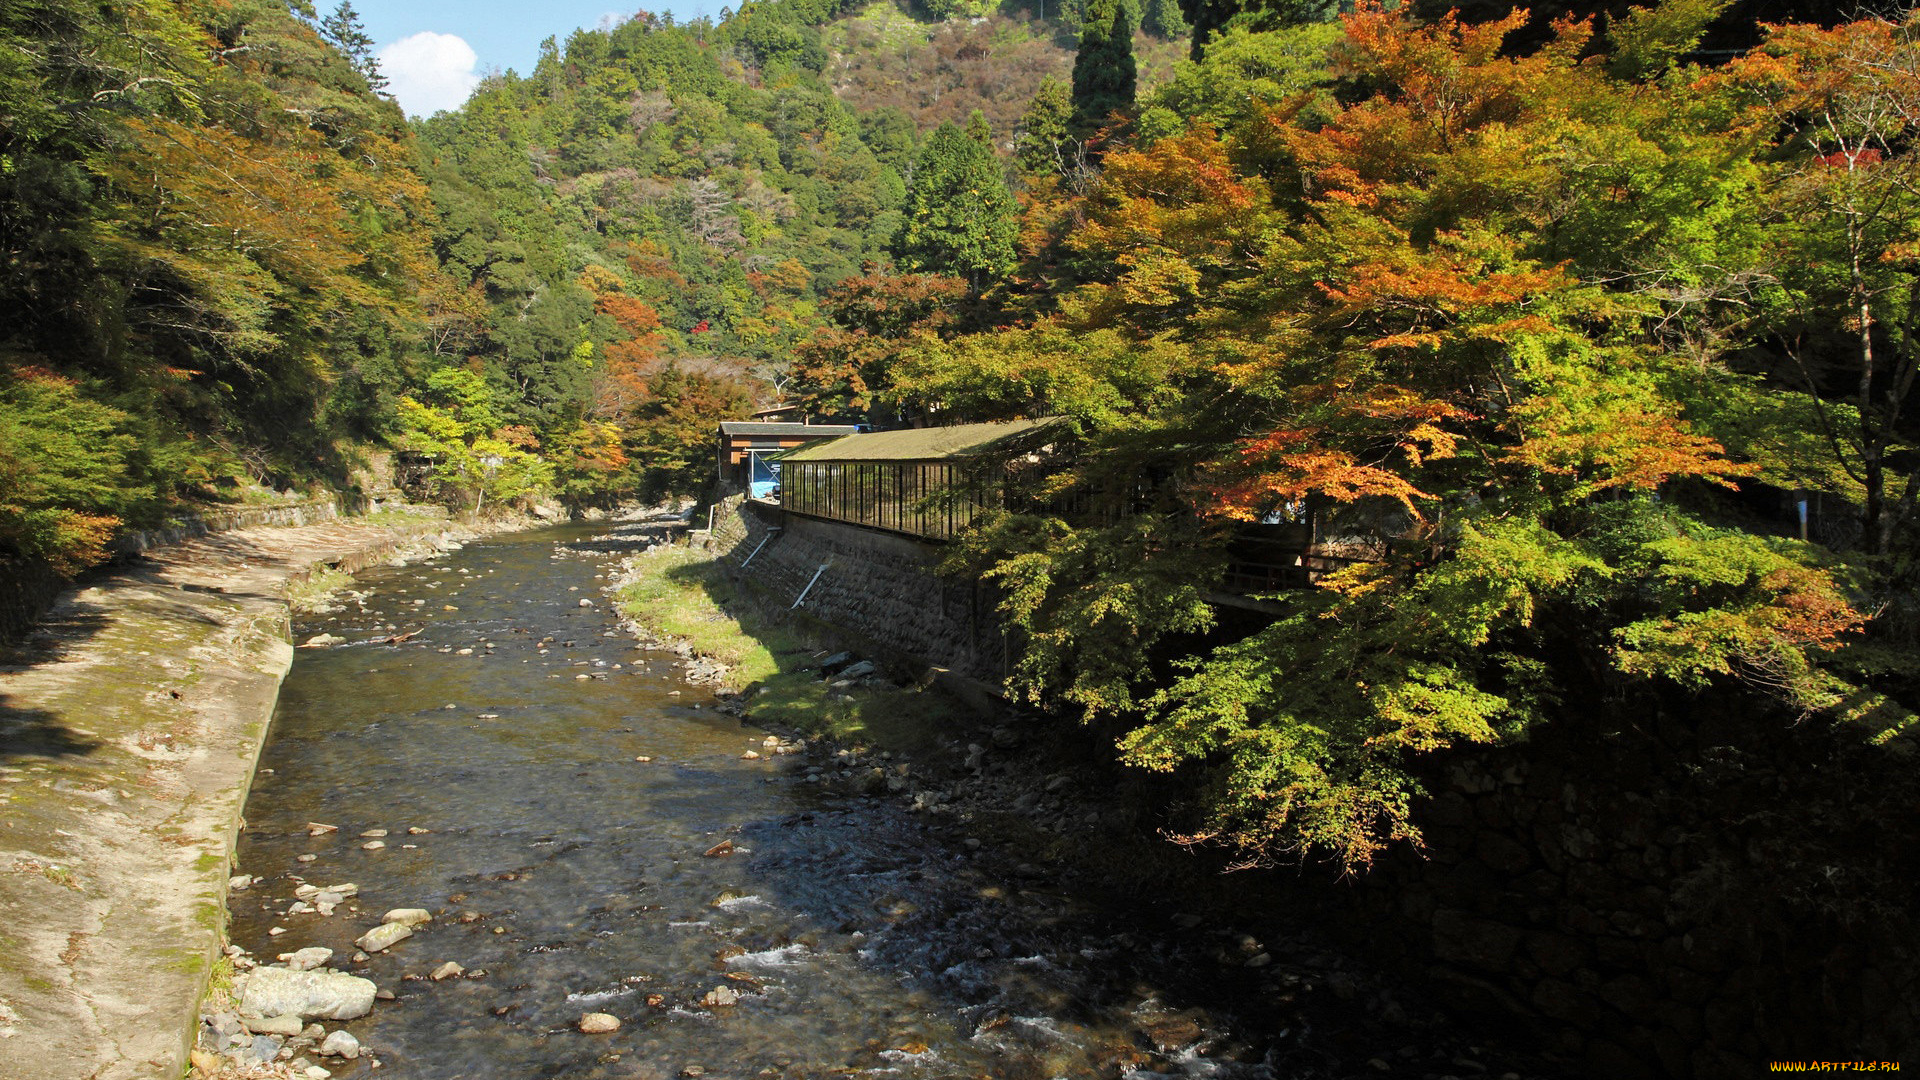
(566, 877)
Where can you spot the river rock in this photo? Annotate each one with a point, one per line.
(835, 662)
(340, 1044)
(307, 959)
(373, 845)
(584, 602)
(859, 671)
(323, 995)
(599, 1023)
(408, 916)
(283, 1026)
(383, 937)
(323, 641)
(721, 997)
(447, 970)
(264, 1048)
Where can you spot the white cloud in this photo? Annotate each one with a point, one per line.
(428, 72)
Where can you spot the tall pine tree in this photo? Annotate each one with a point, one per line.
(959, 213)
(343, 30)
(1104, 73)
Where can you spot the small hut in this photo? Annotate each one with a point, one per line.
(927, 482)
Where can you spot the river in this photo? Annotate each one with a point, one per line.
(567, 877)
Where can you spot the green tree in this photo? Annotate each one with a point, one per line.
(69, 471)
(343, 30)
(475, 458)
(1163, 19)
(1104, 72)
(1044, 142)
(1210, 18)
(959, 212)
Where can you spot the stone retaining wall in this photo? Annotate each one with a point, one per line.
(29, 588)
(880, 587)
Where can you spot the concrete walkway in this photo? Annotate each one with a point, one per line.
(129, 729)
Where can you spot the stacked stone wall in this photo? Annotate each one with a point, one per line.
(881, 587)
(29, 588)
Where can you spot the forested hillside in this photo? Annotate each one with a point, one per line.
(233, 266)
(214, 261)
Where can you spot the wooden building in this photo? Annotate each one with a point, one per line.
(928, 482)
(747, 449)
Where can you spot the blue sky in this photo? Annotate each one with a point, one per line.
(433, 51)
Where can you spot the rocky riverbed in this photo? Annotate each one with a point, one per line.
(549, 851)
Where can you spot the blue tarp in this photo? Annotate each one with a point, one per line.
(764, 478)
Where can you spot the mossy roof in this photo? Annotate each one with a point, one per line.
(760, 427)
(924, 444)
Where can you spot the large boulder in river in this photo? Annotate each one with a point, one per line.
(310, 995)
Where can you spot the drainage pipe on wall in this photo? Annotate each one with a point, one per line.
(810, 584)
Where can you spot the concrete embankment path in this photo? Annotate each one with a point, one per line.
(129, 728)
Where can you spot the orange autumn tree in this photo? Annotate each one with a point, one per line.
(1414, 312)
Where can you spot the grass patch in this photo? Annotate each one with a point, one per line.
(220, 981)
(403, 515)
(320, 583)
(681, 594)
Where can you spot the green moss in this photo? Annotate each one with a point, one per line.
(210, 915)
(209, 862)
(189, 964)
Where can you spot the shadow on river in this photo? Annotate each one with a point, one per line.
(566, 877)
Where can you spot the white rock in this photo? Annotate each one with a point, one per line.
(584, 602)
(321, 641)
(323, 995)
(599, 1023)
(307, 959)
(286, 1025)
(383, 937)
(373, 845)
(447, 970)
(408, 916)
(340, 1044)
(720, 997)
